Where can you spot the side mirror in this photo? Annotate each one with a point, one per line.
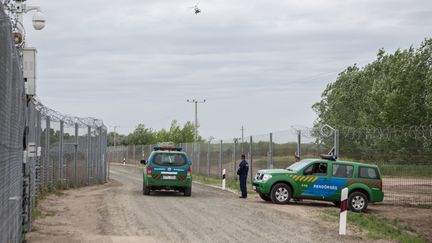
(143, 162)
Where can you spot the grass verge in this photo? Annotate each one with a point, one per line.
(36, 212)
(231, 183)
(376, 227)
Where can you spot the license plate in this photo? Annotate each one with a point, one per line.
(168, 177)
(254, 187)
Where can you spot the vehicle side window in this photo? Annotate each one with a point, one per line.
(368, 172)
(317, 169)
(341, 170)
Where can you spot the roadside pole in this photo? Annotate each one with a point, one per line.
(343, 212)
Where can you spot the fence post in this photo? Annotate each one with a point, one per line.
(220, 159)
(336, 138)
(251, 158)
(75, 154)
(88, 154)
(133, 153)
(298, 153)
(198, 156)
(208, 157)
(61, 176)
(48, 176)
(270, 157)
(234, 156)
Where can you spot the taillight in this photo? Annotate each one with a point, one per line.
(149, 170)
(381, 185)
(189, 172)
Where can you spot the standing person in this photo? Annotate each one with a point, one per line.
(242, 172)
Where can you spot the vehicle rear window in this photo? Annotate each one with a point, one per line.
(342, 170)
(169, 159)
(368, 172)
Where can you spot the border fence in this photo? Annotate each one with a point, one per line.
(40, 149)
(406, 169)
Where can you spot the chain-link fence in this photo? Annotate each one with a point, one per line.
(40, 149)
(407, 178)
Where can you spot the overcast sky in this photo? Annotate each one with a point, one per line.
(260, 64)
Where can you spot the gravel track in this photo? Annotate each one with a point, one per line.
(119, 212)
(210, 215)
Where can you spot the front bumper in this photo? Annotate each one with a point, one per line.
(261, 187)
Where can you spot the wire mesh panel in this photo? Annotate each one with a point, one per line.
(12, 112)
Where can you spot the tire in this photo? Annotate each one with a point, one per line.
(146, 190)
(281, 193)
(188, 191)
(265, 197)
(337, 203)
(357, 202)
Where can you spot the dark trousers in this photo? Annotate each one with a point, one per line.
(243, 189)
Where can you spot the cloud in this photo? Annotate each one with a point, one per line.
(261, 64)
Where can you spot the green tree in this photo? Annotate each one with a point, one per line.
(392, 92)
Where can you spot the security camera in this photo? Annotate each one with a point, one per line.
(38, 20)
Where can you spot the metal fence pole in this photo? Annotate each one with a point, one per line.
(270, 161)
(61, 177)
(75, 155)
(48, 175)
(88, 154)
(251, 158)
(133, 153)
(234, 156)
(198, 153)
(208, 158)
(336, 152)
(220, 159)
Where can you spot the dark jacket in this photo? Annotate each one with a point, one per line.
(243, 168)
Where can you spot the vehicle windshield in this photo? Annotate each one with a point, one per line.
(169, 159)
(298, 165)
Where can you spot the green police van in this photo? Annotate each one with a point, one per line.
(168, 168)
(322, 179)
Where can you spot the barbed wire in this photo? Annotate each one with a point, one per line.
(67, 119)
(419, 132)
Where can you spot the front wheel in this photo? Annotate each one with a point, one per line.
(281, 193)
(357, 202)
(265, 197)
(188, 191)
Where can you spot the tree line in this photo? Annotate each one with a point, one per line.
(145, 135)
(392, 92)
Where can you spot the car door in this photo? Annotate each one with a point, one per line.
(340, 174)
(314, 177)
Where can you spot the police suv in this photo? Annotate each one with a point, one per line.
(322, 179)
(168, 168)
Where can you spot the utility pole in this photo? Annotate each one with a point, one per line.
(196, 115)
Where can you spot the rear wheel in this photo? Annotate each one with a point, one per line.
(357, 202)
(146, 190)
(281, 193)
(264, 197)
(188, 191)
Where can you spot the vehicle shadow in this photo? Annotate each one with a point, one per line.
(304, 202)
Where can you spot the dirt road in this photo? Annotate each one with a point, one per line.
(119, 212)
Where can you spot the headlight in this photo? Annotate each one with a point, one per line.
(266, 177)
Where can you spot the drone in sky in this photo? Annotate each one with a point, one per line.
(196, 9)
